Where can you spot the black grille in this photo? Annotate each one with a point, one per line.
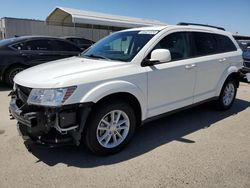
(23, 93)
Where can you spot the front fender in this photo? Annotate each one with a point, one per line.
(230, 70)
(112, 87)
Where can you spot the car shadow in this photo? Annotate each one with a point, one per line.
(4, 87)
(147, 138)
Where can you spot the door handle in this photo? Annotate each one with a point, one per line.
(222, 60)
(190, 66)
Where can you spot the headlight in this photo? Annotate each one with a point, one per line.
(50, 97)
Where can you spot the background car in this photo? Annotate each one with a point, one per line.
(80, 42)
(246, 56)
(19, 53)
(244, 43)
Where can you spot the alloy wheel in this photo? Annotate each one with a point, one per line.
(113, 129)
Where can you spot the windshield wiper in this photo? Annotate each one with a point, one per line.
(97, 56)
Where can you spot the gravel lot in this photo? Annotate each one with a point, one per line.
(199, 147)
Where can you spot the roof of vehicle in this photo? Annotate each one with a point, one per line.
(184, 27)
(35, 37)
(21, 38)
(74, 37)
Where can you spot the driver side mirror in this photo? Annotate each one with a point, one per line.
(158, 56)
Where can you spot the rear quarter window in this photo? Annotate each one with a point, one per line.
(65, 46)
(225, 43)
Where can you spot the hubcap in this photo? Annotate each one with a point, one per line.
(113, 129)
(228, 94)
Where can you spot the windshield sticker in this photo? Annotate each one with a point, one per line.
(146, 32)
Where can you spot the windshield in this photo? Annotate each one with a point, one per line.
(121, 46)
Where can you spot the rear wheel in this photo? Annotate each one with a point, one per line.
(11, 73)
(227, 95)
(110, 128)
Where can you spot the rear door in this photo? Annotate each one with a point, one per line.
(211, 61)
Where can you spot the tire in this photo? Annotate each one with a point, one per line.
(11, 73)
(102, 136)
(227, 95)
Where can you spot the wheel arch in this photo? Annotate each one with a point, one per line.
(123, 90)
(127, 98)
(231, 73)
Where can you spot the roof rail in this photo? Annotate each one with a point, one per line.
(204, 25)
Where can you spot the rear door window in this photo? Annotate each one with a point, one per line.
(205, 44)
(39, 45)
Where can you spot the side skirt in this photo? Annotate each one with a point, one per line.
(178, 110)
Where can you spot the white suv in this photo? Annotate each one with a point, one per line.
(123, 81)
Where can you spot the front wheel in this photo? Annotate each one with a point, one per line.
(110, 128)
(227, 95)
(11, 73)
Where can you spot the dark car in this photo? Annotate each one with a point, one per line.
(244, 43)
(80, 42)
(19, 53)
(245, 47)
(246, 56)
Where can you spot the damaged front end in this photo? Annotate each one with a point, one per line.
(48, 125)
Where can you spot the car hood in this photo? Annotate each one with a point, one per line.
(65, 72)
(246, 55)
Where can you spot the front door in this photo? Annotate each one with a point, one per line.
(171, 84)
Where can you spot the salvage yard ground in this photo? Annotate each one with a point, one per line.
(198, 147)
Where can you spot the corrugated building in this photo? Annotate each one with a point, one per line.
(71, 22)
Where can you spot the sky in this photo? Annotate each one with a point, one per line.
(233, 15)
